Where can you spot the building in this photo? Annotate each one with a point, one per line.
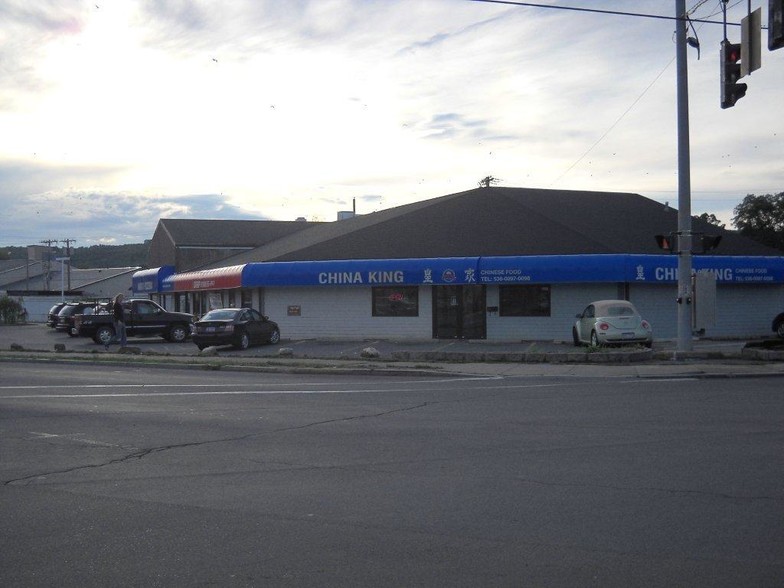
(495, 263)
(41, 281)
(186, 244)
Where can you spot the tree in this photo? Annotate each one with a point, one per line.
(762, 218)
(711, 220)
(10, 310)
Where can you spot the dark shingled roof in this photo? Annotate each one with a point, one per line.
(228, 233)
(497, 221)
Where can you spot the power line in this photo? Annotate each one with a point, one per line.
(600, 11)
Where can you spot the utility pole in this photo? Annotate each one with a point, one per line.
(46, 264)
(68, 257)
(684, 184)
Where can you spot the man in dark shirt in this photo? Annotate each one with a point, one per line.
(118, 315)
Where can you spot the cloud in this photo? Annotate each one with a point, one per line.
(294, 108)
(37, 24)
(94, 217)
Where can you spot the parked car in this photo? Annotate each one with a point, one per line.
(778, 325)
(611, 322)
(143, 318)
(240, 327)
(51, 318)
(65, 318)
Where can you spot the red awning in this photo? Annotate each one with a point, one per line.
(212, 279)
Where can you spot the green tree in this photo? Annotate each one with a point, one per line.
(711, 219)
(10, 310)
(762, 218)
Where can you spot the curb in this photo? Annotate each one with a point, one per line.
(214, 363)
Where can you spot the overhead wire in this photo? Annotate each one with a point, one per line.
(690, 21)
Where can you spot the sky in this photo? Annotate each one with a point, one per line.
(114, 114)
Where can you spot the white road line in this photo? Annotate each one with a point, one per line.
(251, 392)
(114, 386)
(73, 437)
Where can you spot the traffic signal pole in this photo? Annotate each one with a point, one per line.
(684, 184)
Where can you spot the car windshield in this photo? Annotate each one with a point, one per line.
(219, 315)
(620, 311)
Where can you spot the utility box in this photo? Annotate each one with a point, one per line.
(704, 306)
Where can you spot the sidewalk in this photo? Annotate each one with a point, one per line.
(605, 364)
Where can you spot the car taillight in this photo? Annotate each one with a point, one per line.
(603, 326)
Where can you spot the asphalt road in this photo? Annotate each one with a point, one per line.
(134, 477)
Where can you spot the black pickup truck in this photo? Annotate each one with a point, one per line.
(143, 318)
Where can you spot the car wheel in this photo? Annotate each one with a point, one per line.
(575, 337)
(274, 337)
(594, 339)
(780, 329)
(243, 342)
(178, 334)
(202, 347)
(104, 335)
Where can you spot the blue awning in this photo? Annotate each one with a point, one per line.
(363, 272)
(659, 269)
(544, 269)
(549, 269)
(150, 281)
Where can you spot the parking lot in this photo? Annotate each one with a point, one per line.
(39, 337)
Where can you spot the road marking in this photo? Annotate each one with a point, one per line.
(73, 437)
(150, 394)
(113, 386)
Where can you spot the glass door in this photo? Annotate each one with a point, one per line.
(459, 312)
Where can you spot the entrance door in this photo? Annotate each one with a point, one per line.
(459, 312)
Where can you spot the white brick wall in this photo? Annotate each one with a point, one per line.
(343, 312)
(741, 310)
(566, 300)
(656, 304)
(346, 312)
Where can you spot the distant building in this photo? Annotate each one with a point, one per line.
(41, 283)
(186, 244)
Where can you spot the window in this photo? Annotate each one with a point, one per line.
(533, 300)
(145, 308)
(247, 298)
(396, 301)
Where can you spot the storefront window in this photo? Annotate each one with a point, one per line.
(533, 300)
(247, 298)
(396, 301)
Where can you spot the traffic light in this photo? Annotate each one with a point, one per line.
(666, 242)
(710, 242)
(775, 24)
(731, 90)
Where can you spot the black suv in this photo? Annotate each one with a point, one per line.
(51, 318)
(65, 318)
(778, 325)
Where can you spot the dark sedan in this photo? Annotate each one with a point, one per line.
(241, 327)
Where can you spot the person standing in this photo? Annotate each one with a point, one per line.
(118, 317)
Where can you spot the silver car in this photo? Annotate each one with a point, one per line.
(611, 322)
